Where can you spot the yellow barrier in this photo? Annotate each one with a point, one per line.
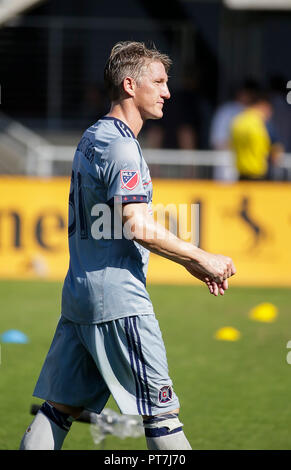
(251, 222)
(33, 228)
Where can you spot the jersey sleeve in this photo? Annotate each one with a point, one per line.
(123, 172)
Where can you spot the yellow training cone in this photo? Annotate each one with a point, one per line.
(227, 333)
(265, 312)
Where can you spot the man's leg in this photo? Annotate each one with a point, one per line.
(50, 427)
(122, 354)
(164, 432)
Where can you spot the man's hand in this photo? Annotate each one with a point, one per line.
(215, 288)
(212, 269)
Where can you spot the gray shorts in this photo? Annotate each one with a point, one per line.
(125, 358)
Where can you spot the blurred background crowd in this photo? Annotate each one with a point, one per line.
(229, 83)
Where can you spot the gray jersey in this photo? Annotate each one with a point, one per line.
(106, 279)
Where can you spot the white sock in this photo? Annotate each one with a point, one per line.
(44, 433)
(164, 432)
(176, 441)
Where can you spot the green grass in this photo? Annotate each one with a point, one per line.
(234, 395)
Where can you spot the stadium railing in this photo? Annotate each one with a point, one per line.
(163, 163)
(23, 150)
(36, 156)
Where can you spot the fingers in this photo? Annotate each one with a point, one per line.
(221, 290)
(209, 285)
(228, 271)
(225, 284)
(217, 288)
(210, 288)
(213, 288)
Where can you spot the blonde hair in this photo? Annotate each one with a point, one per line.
(128, 58)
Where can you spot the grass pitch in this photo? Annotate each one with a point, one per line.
(234, 395)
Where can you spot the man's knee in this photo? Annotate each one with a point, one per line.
(162, 423)
(176, 411)
(73, 411)
(49, 428)
(165, 431)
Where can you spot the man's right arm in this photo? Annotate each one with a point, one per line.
(212, 269)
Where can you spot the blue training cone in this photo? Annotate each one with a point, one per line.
(14, 336)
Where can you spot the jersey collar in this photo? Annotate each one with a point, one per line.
(121, 126)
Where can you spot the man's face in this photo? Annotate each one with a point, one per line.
(151, 92)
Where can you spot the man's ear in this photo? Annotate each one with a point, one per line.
(129, 86)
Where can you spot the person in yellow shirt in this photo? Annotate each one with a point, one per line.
(256, 148)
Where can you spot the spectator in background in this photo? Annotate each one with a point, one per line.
(223, 116)
(186, 137)
(256, 148)
(219, 135)
(153, 136)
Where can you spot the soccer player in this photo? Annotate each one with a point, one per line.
(108, 340)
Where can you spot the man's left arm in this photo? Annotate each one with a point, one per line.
(141, 227)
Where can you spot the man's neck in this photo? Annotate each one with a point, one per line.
(130, 116)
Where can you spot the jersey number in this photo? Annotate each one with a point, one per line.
(81, 208)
